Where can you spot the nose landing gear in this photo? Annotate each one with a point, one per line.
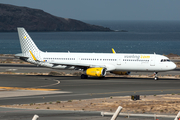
(155, 76)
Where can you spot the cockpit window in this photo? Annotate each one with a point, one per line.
(165, 60)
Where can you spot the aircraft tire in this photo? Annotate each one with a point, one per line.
(86, 76)
(156, 78)
(83, 76)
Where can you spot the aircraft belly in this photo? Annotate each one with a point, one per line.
(135, 67)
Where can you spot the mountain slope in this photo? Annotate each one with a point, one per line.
(12, 17)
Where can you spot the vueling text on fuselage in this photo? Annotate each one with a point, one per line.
(137, 56)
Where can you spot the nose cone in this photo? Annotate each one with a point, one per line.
(173, 66)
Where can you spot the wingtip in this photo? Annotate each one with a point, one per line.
(113, 51)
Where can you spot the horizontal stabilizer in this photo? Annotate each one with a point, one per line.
(20, 55)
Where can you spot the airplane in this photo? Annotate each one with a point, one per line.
(92, 64)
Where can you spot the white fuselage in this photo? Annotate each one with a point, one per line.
(93, 64)
(112, 62)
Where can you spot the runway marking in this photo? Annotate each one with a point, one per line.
(36, 88)
(58, 82)
(19, 88)
(135, 91)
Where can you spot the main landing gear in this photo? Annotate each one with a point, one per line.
(83, 76)
(155, 76)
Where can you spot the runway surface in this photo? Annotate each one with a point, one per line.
(26, 89)
(78, 89)
(75, 88)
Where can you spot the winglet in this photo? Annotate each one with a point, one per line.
(33, 56)
(113, 51)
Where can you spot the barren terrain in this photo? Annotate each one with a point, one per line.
(159, 104)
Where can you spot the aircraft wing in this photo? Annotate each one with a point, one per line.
(108, 67)
(76, 64)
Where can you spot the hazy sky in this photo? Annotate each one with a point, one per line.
(106, 9)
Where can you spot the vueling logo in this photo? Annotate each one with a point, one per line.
(142, 56)
(25, 37)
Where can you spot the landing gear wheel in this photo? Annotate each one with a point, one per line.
(83, 76)
(86, 76)
(101, 77)
(155, 74)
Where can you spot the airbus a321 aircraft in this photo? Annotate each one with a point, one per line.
(93, 64)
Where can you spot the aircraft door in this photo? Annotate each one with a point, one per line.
(152, 61)
(78, 59)
(118, 61)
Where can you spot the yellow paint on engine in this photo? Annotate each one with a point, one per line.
(96, 72)
(120, 72)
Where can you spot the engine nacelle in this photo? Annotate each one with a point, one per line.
(96, 72)
(120, 72)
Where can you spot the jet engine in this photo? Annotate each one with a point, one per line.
(120, 72)
(96, 72)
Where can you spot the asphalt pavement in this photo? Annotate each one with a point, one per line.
(71, 88)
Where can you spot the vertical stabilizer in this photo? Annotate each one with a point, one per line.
(28, 47)
(26, 42)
